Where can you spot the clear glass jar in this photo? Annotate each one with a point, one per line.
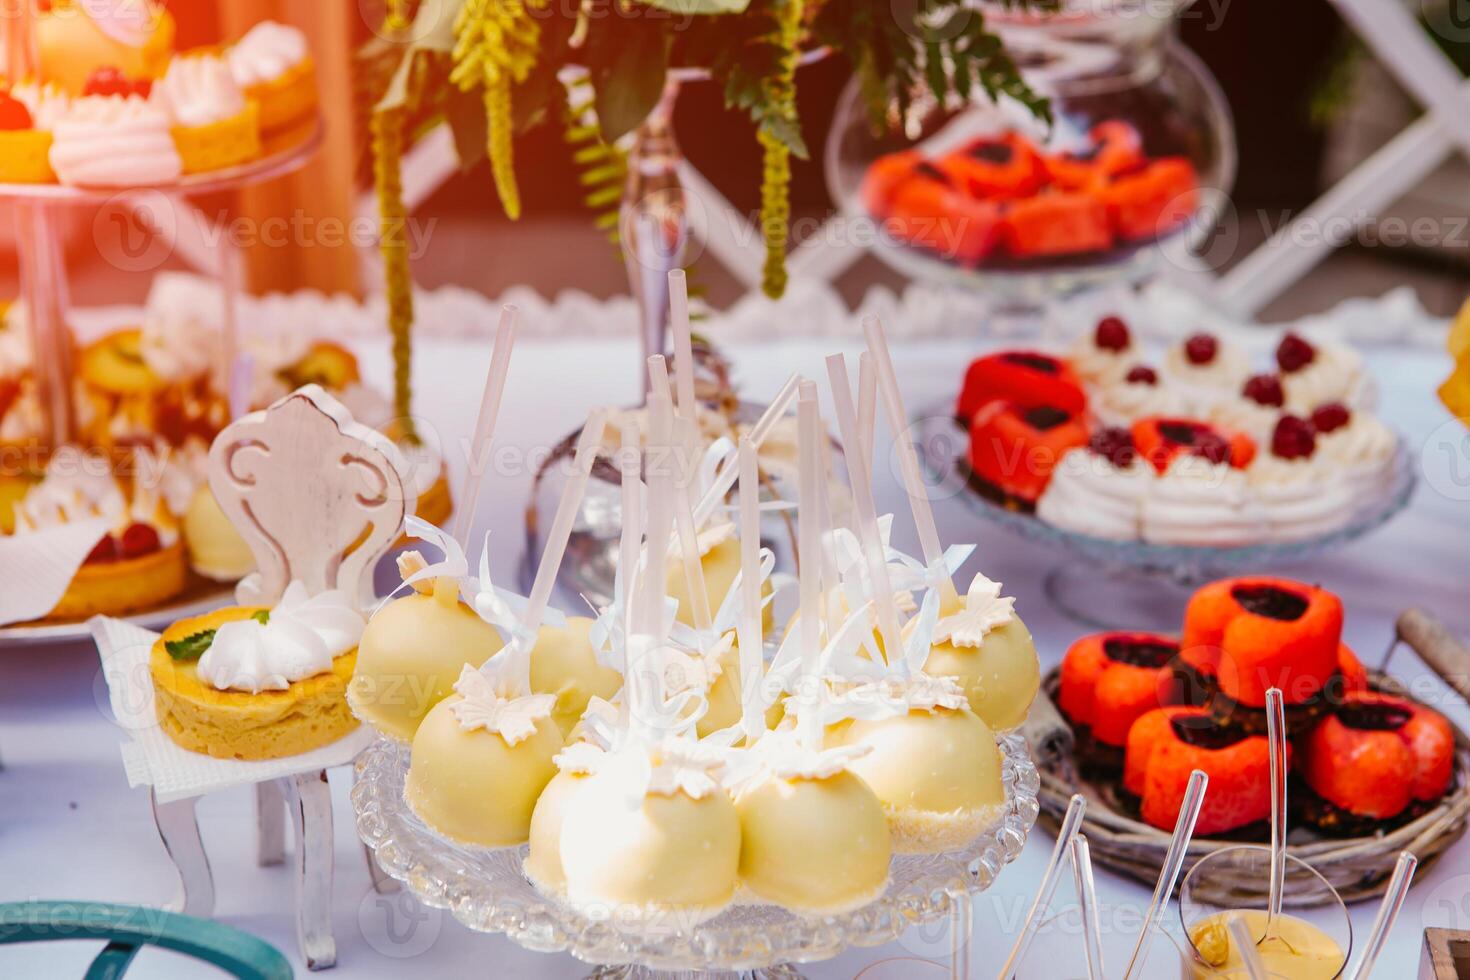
(984, 194)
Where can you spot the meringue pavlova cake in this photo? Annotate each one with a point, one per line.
(254, 683)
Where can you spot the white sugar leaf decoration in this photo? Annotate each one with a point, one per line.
(984, 610)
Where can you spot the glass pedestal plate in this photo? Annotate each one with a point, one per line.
(487, 891)
(1136, 584)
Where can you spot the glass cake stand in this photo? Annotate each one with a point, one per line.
(1136, 584)
(487, 891)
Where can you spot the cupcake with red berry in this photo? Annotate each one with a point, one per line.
(115, 137)
(27, 114)
(1098, 490)
(1206, 366)
(1104, 355)
(1302, 493)
(213, 125)
(1362, 446)
(1139, 393)
(1315, 374)
(1256, 411)
(1375, 762)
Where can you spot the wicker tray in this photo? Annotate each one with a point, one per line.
(1359, 868)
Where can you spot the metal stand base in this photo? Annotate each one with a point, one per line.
(1118, 598)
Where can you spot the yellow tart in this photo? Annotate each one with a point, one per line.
(225, 143)
(116, 588)
(231, 724)
(25, 157)
(287, 99)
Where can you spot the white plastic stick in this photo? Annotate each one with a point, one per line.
(1388, 913)
(809, 553)
(650, 621)
(859, 474)
(478, 460)
(750, 626)
(630, 547)
(1245, 944)
(913, 480)
(1276, 740)
(683, 344)
(1194, 799)
(566, 515)
(868, 402)
(658, 376)
(1087, 906)
(1071, 825)
(689, 536)
(725, 478)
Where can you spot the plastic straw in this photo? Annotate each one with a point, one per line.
(860, 475)
(1071, 825)
(809, 552)
(683, 344)
(750, 626)
(1388, 913)
(658, 377)
(1087, 906)
(478, 461)
(1194, 799)
(868, 401)
(1276, 737)
(630, 547)
(660, 516)
(913, 480)
(658, 387)
(566, 514)
(1240, 936)
(725, 478)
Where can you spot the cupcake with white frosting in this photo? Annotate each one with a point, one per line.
(1302, 493)
(114, 141)
(214, 126)
(1318, 374)
(1199, 502)
(1104, 355)
(273, 66)
(1257, 409)
(1139, 393)
(1206, 366)
(1360, 444)
(1098, 490)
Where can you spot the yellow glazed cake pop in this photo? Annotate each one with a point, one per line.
(935, 767)
(652, 836)
(482, 756)
(216, 549)
(563, 664)
(813, 836)
(986, 648)
(412, 653)
(543, 862)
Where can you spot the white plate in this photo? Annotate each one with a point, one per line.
(200, 596)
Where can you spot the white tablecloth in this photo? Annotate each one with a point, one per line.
(71, 829)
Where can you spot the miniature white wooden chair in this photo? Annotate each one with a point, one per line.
(319, 500)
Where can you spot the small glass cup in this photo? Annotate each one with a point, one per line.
(1207, 893)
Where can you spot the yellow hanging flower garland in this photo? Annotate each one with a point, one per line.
(780, 98)
(387, 136)
(496, 44)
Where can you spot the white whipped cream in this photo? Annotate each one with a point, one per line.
(1099, 365)
(304, 634)
(1196, 502)
(1226, 373)
(1301, 497)
(25, 420)
(1089, 495)
(178, 341)
(110, 141)
(1334, 375)
(47, 104)
(1126, 402)
(76, 487)
(15, 341)
(1365, 448)
(198, 90)
(1244, 415)
(266, 52)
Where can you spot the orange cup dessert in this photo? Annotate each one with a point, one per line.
(1003, 167)
(1115, 147)
(1030, 379)
(1109, 681)
(1013, 450)
(1374, 761)
(1162, 440)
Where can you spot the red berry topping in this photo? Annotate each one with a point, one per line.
(1142, 375)
(1294, 353)
(1213, 447)
(105, 551)
(1112, 334)
(1331, 417)
(109, 80)
(1201, 348)
(13, 113)
(1265, 389)
(139, 540)
(1114, 445)
(1293, 438)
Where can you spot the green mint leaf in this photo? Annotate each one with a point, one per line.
(190, 647)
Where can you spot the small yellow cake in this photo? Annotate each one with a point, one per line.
(1000, 677)
(234, 724)
(287, 99)
(25, 157)
(128, 585)
(216, 549)
(226, 143)
(564, 665)
(543, 862)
